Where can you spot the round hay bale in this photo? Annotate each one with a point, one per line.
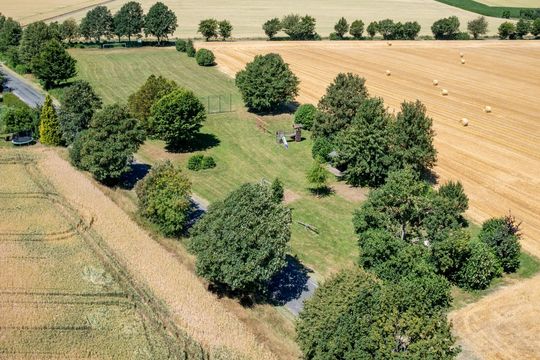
(435, 82)
(389, 43)
(487, 109)
(444, 92)
(465, 122)
(388, 73)
(463, 61)
(461, 54)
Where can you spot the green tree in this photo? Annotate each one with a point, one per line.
(277, 190)
(523, 27)
(54, 64)
(387, 29)
(372, 29)
(413, 134)
(410, 30)
(205, 57)
(190, 48)
(507, 30)
(478, 26)
(322, 147)
(241, 242)
(341, 27)
(378, 246)
(69, 30)
(455, 193)
(49, 127)
(55, 31)
(450, 255)
(299, 28)
(340, 104)
(129, 20)
(481, 267)
(357, 29)
(160, 21)
(208, 28)
(225, 29)
(266, 83)
(97, 23)
(272, 27)
(18, 119)
(317, 177)
(446, 28)
(79, 103)
(177, 118)
(364, 149)
(535, 27)
(34, 38)
(181, 45)
(106, 149)
(503, 235)
(305, 115)
(165, 198)
(140, 102)
(10, 34)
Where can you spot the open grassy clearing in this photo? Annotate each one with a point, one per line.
(248, 17)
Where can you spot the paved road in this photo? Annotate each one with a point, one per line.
(21, 88)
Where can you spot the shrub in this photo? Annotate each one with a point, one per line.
(481, 267)
(266, 83)
(19, 119)
(200, 162)
(208, 162)
(241, 242)
(322, 147)
(357, 29)
(272, 27)
(317, 176)
(49, 127)
(164, 198)
(205, 57)
(190, 48)
(304, 115)
(177, 117)
(502, 235)
(446, 28)
(277, 190)
(507, 30)
(462, 36)
(181, 45)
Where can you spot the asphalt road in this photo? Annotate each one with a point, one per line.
(21, 88)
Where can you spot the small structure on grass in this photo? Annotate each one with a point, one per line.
(22, 138)
(281, 136)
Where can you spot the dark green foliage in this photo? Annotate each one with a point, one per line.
(364, 147)
(55, 31)
(305, 115)
(49, 127)
(10, 34)
(141, 101)
(414, 135)
(481, 267)
(477, 27)
(266, 83)
(34, 38)
(410, 30)
(177, 117)
(181, 45)
(450, 255)
(97, 23)
(341, 28)
(79, 103)
(523, 27)
(200, 162)
(190, 48)
(299, 28)
(205, 57)
(69, 30)
(321, 149)
(160, 21)
(225, 29)
(129, 20)
(398, 31)
(340, 104)
(372, 29)
(164, 198)
(454, 192)
(19, 119)
(241, 242)
(535, 27)
(506, 14)
(377, 246)
(54, 65)
(507, 30)
(445, 212)
(446, 28)
(357, 29)
(272, 27)
(277, 190)
(208, 28)
(387, 28)
(502, 235)
(106, 148)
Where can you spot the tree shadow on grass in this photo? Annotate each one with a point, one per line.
(321, 192)
(285, 108)
(138, 172)
(289, 283)
(200, 142)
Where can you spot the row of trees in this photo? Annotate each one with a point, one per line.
(295, 26)
(509, 30)
(212, 29)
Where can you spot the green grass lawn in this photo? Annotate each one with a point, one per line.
(243, 154)
(483, 9)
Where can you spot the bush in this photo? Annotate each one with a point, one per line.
(190, 48)
(19, 119)
(164, 198)
(322, 147)
(194, 162)
(266, 83)
(502, 235)
(317, 176)
(463, 36)
(481, 267)
(181, 45)
(278, 192)
(305, 115)
(241, 242)
(205, 57)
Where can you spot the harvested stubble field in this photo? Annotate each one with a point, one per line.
(82, 294)
(247, 17)
(497, 157)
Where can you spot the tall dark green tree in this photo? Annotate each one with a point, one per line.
(480, 268)
(242, 241)
(523, 27)
(341, 27)
(97, 23)
(299, 28)
(160, 21)
(54, 64)
(225, 29)
(357, 29)
(69, 30)
(446, 28)
(503, 235)
(129, 20)
(34, 38)
(10, 34)
(372, 29)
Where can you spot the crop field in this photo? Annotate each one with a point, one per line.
(248, 17)
(512, 3)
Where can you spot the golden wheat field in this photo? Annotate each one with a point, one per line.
(247, 17)
(496, 157)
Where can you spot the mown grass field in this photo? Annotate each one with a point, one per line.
(243, 153)
(494, 8)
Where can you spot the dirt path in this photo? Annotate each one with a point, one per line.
(193, 307)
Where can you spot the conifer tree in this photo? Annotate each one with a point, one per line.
(49, 127)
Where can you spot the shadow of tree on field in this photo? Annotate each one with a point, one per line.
(138, 172)
(200, 142)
